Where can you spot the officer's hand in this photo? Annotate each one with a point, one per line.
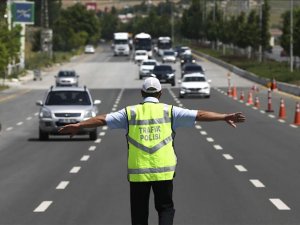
(234, 118)
(70, 129)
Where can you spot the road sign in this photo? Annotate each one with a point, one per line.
(23, 12)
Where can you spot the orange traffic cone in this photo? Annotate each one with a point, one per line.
(250, 99)
(269, 102)
(256, 103)
(282, 111)
(234, 94)
(242, 96)
(297, 114)
(273, 84)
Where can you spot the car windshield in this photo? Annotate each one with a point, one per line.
(68, 98)
(194, 69)
(140, 53)
(162, 68)
(169, 53)
(149, 63)
(187, 57)
(66, 74)
(194, 79)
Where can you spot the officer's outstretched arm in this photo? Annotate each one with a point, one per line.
(231, 118)
(73, 129)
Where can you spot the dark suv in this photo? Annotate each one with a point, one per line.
(191, 68)
(164, 73)
(186, 58)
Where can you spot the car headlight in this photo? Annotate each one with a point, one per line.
(183, 89)
(45, 113)
(171, 75)
(89, 113)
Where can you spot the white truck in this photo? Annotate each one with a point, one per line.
(121, 44)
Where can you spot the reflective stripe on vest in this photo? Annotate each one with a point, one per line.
(151, 156)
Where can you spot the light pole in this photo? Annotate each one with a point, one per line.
(291, 36)
(260, 29)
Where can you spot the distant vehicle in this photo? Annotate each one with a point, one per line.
(89, 49)
(121, 44)
(186, 58)
(183, 50)
(66, 105)
(140, 55)
(164, 73)
(163, 44)
(146, 68)
(67, 78)
(191, 68)
(169, 56)
(143, 41)
(194, 84)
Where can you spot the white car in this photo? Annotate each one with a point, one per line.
(195, 84)
(140, 55)
(146, 68)
(89, 49)
(169, 56)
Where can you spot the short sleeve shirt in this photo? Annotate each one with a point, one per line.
(181, 117)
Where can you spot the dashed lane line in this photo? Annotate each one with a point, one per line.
(98, 140)
(92, 148)
(75, 169)
(240, 168)
(280, 205)
(209, 139)
(104, 128)
(101, 133)
(62, 185)
(29, 118)
(218, 147)
(198, 127)
(203, 132)
(43, 206)
(227, 156)
(257, 183)
(20, 123)
(9, 128)
(85, 158)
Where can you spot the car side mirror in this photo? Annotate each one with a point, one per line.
(39, 103)
(97, 102)
(209, 81)
(179, 81)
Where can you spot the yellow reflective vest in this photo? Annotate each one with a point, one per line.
(151, 155)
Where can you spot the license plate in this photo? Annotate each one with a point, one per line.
(163, 80)
(67, 121)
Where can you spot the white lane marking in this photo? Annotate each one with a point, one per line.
(9, 128)
(271, 116)
(203, 132)
(180, 105)
(280, 205)
(241, 168)
(114, 109)
(293, 126)
(43, 206)
(218, 147)
(115, 105)
(98, 140)
(62, 185)
(20, 123)
(262, 111)
(85, 158)
(255, 108)
(92, 148)
(209, 139)
(198, 127)
(36, 114)
(104, 128)
(257, 183)
(101, 133)
(281, 121)
(228, 156)
(29, 118)
(75, 169)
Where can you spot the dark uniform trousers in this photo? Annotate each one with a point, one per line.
(139, 201)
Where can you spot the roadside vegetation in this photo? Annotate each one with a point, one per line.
(235, 38)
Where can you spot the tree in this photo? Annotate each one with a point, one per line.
(265, 33)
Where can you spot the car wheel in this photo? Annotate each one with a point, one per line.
(141, 77)
(43, 136)
(173, 83)
(207, 96)
(181, 96)
(93, 135)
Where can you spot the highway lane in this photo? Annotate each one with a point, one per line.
(85, 181)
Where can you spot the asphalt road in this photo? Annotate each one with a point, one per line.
(242, 176)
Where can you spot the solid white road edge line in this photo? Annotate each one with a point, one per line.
(43, 206)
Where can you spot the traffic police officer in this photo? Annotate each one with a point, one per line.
(151, 158)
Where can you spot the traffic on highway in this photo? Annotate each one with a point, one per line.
(246, 175)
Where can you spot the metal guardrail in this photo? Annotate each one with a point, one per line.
(288, 88)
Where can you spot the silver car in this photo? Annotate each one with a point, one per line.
(66, 105)
(67, 78)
